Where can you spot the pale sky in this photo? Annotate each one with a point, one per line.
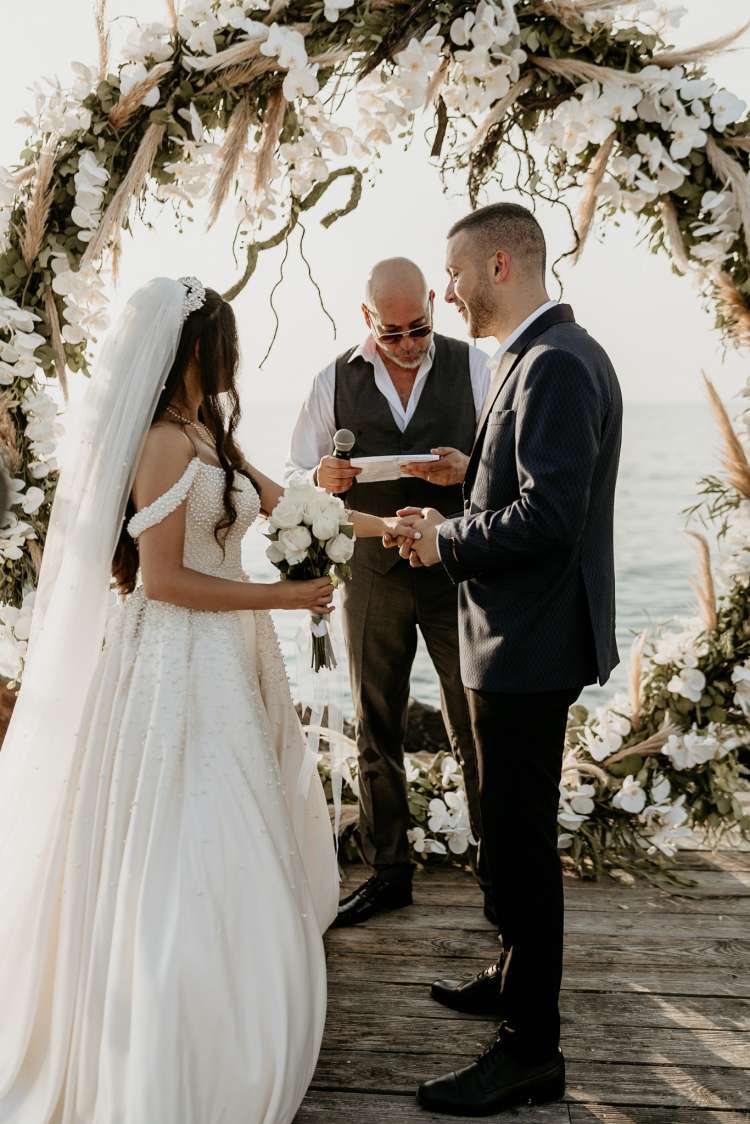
(650, 321)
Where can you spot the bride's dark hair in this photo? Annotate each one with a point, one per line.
(212, 330)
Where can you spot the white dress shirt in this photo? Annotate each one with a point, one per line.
(519, 332)
(313, 433)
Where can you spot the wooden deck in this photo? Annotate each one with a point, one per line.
(655, 1004)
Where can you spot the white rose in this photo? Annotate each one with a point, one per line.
(325, 525)
(274, 553)
(340, 549)
(294, 541)
(287, 513)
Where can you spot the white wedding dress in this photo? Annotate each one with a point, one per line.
(178, 972)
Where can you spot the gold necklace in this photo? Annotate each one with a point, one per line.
(203, 429)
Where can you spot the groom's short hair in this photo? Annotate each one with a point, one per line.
(507, 226)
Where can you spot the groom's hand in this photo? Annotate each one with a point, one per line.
(450, 469)
(400, 531)
(424, 551)
(335, 475)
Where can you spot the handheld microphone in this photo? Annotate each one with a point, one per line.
(343, 443)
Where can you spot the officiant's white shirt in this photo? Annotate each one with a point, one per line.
(313, 433)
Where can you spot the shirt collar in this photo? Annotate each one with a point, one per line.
(520, 330)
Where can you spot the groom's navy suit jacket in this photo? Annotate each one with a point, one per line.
(533, 549)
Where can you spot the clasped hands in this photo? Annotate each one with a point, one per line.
(415, 535)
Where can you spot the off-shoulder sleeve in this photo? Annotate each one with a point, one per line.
(164, 505)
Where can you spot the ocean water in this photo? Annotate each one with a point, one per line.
(667, 448)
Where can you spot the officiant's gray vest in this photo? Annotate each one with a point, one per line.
(445, 415)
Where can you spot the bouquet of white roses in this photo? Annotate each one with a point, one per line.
(311, 537)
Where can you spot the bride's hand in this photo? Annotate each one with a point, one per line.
(398, 531)
(314, 595)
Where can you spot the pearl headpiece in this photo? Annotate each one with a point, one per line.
(195, 295)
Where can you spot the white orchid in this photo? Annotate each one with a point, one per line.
(151, 41)
(333, 9)
(687, 134)
(423, 844)
(685, 751)
(688, 684)
(301, 82)
(287, 45)
(727, 109)
(630, 797)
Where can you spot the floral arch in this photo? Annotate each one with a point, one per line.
(241, 98)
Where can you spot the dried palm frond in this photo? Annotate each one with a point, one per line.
(172, 13)
(636, 680)
(37, 212)
(704, 587)
(58, 351)
(130, 188)
(734, 458)
(594, 178)
(734, 307)
(733, 175)
(672, 230)
(272, 126)
(102, 37)
(35, 554)
(237, 54)
(582, 71)
(499, 110)
(9, 448)
(646, 748)
(684, 57)
(127, 105)
(738, 142)
(235, 143)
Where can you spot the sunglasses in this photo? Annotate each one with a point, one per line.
(419, 333)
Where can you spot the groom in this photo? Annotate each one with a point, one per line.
(532, 555)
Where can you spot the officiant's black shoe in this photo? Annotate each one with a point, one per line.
(481, 995)
(376, 895)
(498, 1079)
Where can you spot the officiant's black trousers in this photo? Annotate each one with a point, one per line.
(519, 740)
(382, 613)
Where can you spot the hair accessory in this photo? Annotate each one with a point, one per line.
(195, 295)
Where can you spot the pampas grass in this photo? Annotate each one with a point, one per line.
(734, 458)
(499, 110)
(272, 126)
(58, 350)
(235, 143)
(102, 37)
(130, 188)
(646, 748)
(636, 680)
(672, 230)
(172, 13)
(578, 70)
(704, 587)
(127, 105)
(733, 175)
(9, 448)
(590, 198)
(37, 212)
(702, 51)
(734, 307)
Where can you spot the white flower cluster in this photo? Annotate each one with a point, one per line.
(15, 636)
(147, 42)
(719, 230)
(42, 430)
(489, 61)
(200, 21)
(684, 650)
(84, 300)
(18, 342)
(58, 111)
(415, 68)
(304, 514)
(90, 181)
(741, 681)
(698, 747)
(609, 727)
(448, 815)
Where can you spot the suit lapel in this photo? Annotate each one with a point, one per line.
(560, 314)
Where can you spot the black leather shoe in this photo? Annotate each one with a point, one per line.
(481, 995)
(498, 1079)
(376, 895)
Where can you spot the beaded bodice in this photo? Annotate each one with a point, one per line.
(202, 484)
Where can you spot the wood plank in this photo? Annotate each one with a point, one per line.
(618, 921)
(385, 1032)
(355, 995)
(336, 1107)
(668, 949)
(606, 1114)
(731, 859)
(596, 1082)
(684, 980)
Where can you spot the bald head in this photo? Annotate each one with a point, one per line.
(395, 279)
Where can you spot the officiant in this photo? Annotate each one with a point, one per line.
(404, 389)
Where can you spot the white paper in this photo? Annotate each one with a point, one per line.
(376, 469)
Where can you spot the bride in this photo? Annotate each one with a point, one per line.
(165, 873)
